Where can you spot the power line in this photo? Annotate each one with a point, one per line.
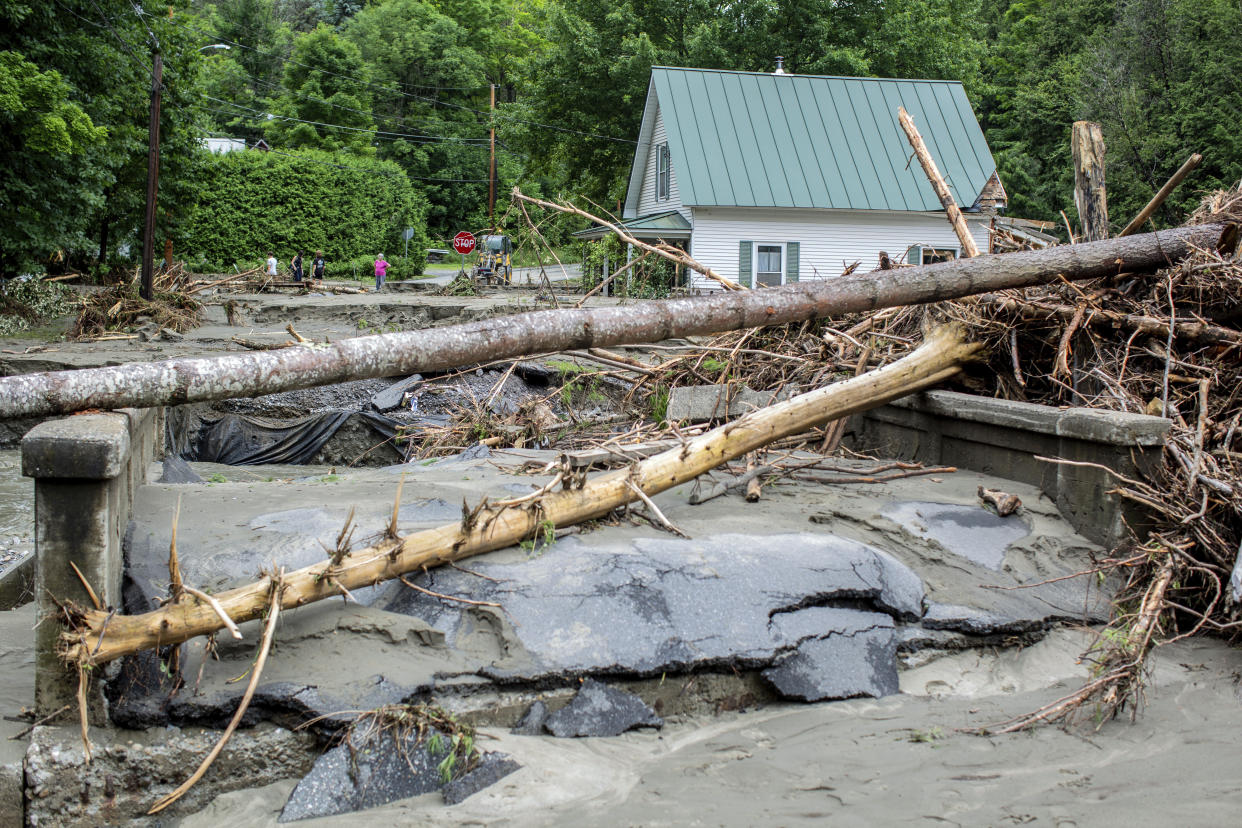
(108, 24)
(395, 136)
(289, 59)
(155, 41)
(344, 108)
(399, 121)
(376, 172)
(413, 177)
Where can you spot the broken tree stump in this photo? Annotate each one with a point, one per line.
(94, 637)
(1090, 197)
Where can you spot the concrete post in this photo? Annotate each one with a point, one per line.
(85, 470)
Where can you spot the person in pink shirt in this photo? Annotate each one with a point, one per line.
(381, 268)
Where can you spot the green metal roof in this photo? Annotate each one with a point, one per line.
(671, 223)
(750, 139)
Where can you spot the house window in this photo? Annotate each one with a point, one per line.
(769, 264)
(931, 255)
(663, 168)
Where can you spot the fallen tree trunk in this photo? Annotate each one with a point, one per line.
(398, 354)
(969, 248)
(95, 637)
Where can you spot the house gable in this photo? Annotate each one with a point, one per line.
(642, 198)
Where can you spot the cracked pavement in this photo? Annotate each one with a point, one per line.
(814, 591)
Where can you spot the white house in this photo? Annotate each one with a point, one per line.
(772, 178)
(220, 145)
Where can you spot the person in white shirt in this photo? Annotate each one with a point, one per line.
(271, 264)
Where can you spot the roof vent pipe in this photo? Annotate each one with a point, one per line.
(780, 66)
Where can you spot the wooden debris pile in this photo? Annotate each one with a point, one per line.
(120, 307)
(1167, 344)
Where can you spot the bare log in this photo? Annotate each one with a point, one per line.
(1164, 192)
(1090, 196)
(495, 526)
(177, 381)
(969, 248)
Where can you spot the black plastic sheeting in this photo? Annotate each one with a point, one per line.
(206, 436)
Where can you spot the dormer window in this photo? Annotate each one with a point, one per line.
(663, 171)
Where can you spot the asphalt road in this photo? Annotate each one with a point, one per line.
(521, 275)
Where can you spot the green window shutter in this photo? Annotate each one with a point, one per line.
(745, 272)
(792, 254)
(914, 255)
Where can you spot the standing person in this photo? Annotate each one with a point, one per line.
(271, 264)
(296, 264)
(381, 268)
(318, 266)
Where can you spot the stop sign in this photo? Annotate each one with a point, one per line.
(463, 242)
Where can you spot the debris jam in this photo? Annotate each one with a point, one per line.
(633, 543)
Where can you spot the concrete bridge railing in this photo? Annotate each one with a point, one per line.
(1006, 438)
(85, 469)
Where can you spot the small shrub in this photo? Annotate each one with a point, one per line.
(26, 303)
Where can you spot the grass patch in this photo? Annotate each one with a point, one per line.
(447, 739)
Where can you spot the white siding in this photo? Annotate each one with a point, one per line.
(647, 204)
(829, 240)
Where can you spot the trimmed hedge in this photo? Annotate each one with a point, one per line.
(348, 207)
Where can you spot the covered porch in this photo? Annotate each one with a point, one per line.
(610, 255)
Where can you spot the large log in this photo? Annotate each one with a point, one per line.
(179, 381)
(96, 637)
(1090, 196)
(969, 248)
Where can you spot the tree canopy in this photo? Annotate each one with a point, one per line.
(410, 81)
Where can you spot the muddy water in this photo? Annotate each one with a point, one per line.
(16, 509)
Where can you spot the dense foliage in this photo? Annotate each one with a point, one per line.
(308, 200)
(75, 77)
(408, 81)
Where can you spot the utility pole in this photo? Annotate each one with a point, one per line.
(491, 165)
(153, 176)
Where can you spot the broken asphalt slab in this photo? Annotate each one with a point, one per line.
(391, 397)
(660, 605)
(840, 654)
(383, 767)
(615, 603)
(599, 710)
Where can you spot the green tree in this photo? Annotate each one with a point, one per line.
(1160, 76)
(43, 130)
(71, 188)
(325, 82)
(433, 101)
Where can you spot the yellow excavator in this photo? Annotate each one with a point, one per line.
(495, 262)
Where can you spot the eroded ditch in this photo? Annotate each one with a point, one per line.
(378, 422)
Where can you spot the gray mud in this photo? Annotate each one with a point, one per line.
(16, 510)
(895, 761)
